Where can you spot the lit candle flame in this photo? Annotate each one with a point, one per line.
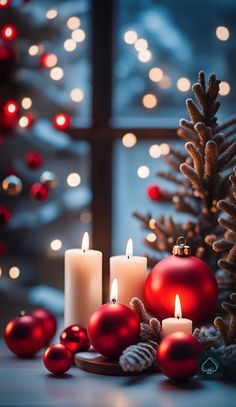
(129, 248)
(178, 310)
(114, 291)
(85, 242)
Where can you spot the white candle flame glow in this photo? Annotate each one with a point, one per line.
(129, 248)
(178, 310)
(85, 242)
(114, 291)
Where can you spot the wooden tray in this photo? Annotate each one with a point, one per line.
(95, 363)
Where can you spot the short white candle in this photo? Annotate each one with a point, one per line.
(83, 283)
(177, 324)
(130, 272)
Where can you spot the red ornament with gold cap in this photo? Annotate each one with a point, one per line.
(186, 275)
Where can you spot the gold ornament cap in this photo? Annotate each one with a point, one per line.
(181, 249)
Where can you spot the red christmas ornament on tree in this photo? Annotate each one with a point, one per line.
(9, 32)
(75, 338)
(5, 214)
(58, 358)
(39, 191)
(178, 356)
(61, 121)
(113, 327)
(11, 108)
(24, 335)
(33, 160)
(48, 60)
(154, 192)
(48, 322)
(187, 276)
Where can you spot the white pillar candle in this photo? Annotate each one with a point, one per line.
(177, 324)
(130, 272)
(83, 283)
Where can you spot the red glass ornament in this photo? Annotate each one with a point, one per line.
(112, 328)
(26, 120)
(58, 358)
(24, 335)
(9, 32)
(11, 108)
(61, 121)
(33, 160)
(48, 60)
(187, 276)
(75, 338)
(48, 322)
(4, 4)
(39, 191)
(178, 356)
(154, 192)
(5, 214)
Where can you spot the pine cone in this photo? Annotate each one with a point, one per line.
(139, 357)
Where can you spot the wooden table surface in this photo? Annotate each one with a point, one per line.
(27, 383)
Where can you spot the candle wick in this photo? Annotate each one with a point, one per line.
(178, 317)
(113, 301)
(128, 257)
(84, 251)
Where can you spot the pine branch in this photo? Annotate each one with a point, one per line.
(228, 328)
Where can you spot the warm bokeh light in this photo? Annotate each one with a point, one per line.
(14, 272)
(183, 84)
(149, 101)
(78, 35)
(69, 45)
(0, 272)
(152, 223)
(56, 245)
(155, 151)
(33, 50)
(9, 32)
(129, 140)
(141, 44)
(56, 73)
(222, 33)
(130, 37)
(77, 95)
(224, 88)
(48, 60)
(26, 103)
(24, 121)
(143, 171)
(61, 121)
(145, 56)
(86, 217)
(151, 237)
(165, 149)
(73, 180)
(73, 23)
(165, 82)
(155, 74)
(51, 14)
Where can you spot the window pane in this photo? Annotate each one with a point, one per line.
(159, 53)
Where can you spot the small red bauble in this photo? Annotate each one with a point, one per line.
(39, 191)
(48, 60)
(33, 160)
(154, 192)
(5, 4)
(187, 276)
(61, 121)
(112, 328)
(178, 356)
(9, 32)
(75, 338)
(58, 358)
(5, 214)
(11, 108)
(24, 335)
(48, 322)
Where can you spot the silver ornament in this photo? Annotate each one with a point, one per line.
(12, 185)
(49, 179)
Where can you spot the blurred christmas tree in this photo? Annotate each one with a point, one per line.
(211, 150)
(41, 208)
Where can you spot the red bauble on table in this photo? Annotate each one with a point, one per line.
(112, 328)
(48, 322)
(39, 191)
(58, 358)
(154, 192)
(187, 276)
(178, 356)
(75, 338)
(5, 214)
(33, 160)
(24, 335)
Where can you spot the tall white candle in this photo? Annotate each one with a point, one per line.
(83, 283)
(177, 324)
(130, 272)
